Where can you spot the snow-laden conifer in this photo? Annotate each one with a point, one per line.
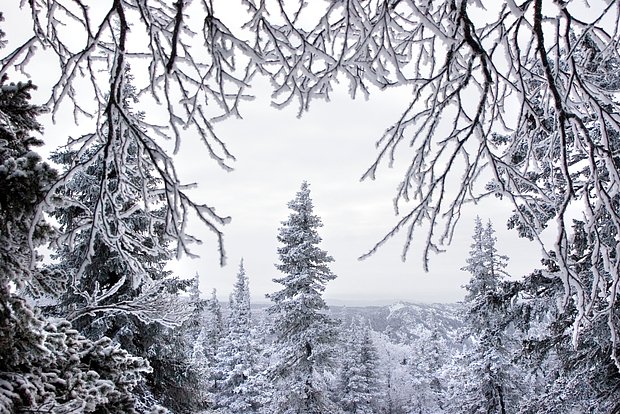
(45, 364)
(359, 391)
(304, 334)
(484, 263)
(240, 385)
(487, 386)
(566, 377)
(112, 243)
(214, 328)
(113, 247)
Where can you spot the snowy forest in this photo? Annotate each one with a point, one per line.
(514, 100)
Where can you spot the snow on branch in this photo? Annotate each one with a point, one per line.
(154, 304)
(515, 100)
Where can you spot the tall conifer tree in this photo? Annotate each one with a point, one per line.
(45, 365)
(487, 388)
(305, 334)
(113, 247)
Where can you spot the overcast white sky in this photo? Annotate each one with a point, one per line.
(330, 147)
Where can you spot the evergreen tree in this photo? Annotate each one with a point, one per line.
(236, 357)
(214, 328)
(359, 378)
(196, 325)
(484, 263)
(566, 375)
(488, 385)
(208, 346)
(112, 243)
(112, 246)
(305, 334)
(45, 365)
(194, 289)
(195, 321)
(24, 182)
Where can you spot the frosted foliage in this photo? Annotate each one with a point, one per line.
(305, 334)
(69, 373)
(236, 389)
(519, 95)
(45, 365)
(153, 304)
(465, 64)
(565, 377)
(112, 237)
(489, 381)
(359, 377)
(24, 180)
(111, 244)
(95, 51)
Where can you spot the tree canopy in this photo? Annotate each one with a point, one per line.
(467, 65)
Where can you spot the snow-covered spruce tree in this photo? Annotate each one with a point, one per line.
(488, 386)
(196, 336)
(236, 357)
(594, 183)
(45, 365)
(112, 241)
(484, 264)
(24, 180)
(567, 375)
(213, 329)
(112, 246)
(359, 386)
(195, 321)
(305, 335)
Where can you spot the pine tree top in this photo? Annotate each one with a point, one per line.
(302, 261)
(484, 263)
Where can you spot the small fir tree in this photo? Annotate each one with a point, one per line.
(304, 334)
(359, 378)
(487, 387)
(236, 356)
(484, 263)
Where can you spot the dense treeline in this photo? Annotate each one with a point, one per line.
(102, 328)
(150, 349)
(500, 351)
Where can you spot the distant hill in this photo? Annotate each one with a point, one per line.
(401, 322)
(407, 322)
